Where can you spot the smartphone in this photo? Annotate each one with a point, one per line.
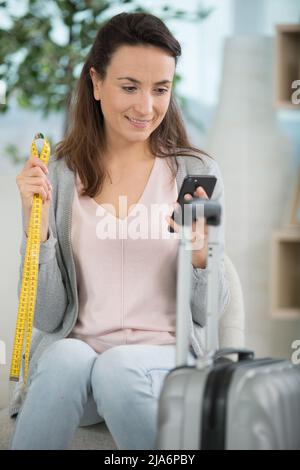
(189, 186)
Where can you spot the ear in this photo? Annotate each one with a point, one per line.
(96, 84)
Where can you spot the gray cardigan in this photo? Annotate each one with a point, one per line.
(56, 308)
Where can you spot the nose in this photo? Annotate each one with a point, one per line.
(144, 104)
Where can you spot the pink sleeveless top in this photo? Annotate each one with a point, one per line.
(126, 268)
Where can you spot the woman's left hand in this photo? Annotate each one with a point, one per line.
(199, 233)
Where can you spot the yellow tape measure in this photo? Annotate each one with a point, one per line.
(30, 275)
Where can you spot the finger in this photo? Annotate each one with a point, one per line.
(37, 173)
(199, 234)
(200, 192)
(172, 223)
(37, 189)
(188, 197)
(176, 205)
(41, 190)
(36, 161)
(38, 180)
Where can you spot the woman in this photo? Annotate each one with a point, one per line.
(104, 336)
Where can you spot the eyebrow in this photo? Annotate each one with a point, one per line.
(134, 80)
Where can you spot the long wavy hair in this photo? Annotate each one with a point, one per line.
(84, 141)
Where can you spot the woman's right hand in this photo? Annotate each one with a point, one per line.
(32, 180)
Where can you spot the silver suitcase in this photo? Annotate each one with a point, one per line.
(219, 403)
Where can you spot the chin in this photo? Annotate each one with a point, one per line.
(139, 138)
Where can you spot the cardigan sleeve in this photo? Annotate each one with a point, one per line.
(52, 299)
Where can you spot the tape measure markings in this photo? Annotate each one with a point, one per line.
(29, 283)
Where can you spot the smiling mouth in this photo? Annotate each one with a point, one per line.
(138, 121)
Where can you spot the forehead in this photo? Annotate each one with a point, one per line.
(141, 62)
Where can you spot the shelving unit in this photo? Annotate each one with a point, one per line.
(287, 68)
(285, 274)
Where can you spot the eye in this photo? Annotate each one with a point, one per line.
(130, 88)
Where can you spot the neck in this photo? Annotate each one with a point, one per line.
(123, 159)
(127, 153)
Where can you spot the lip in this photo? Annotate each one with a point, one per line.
(140, 125)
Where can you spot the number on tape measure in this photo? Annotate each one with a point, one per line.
(29, 283)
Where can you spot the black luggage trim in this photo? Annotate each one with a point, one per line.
(215, 397)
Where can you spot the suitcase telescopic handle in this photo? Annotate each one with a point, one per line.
(243, 354)
(211, 210)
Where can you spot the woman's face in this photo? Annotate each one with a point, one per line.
(145, 99)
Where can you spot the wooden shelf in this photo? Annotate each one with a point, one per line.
(285, 274)
(287, 68)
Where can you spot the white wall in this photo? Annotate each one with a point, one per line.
(245, 242)
(10, 236)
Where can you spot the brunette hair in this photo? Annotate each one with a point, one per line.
(84, 141)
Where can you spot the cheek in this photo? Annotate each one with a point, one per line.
(162, 110)
(114, 103)
(122, 101)
(164, 106)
